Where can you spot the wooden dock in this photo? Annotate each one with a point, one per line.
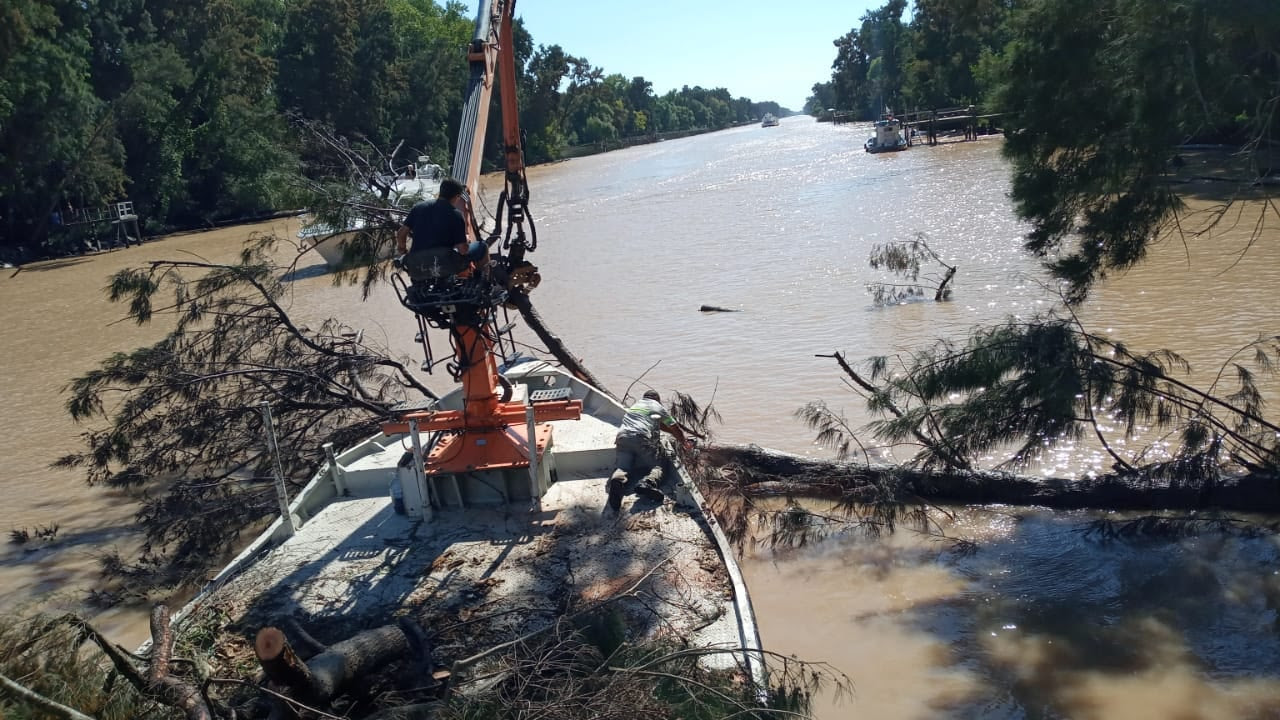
(929, 123)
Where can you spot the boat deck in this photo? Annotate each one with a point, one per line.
(505, 571)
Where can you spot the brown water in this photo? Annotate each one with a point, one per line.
(1041, 622)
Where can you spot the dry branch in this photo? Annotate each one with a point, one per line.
(34, 698)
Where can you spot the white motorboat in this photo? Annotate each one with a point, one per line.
(769, 120)
(888, 137)
(421, 180)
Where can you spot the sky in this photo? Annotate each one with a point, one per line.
(761, 49)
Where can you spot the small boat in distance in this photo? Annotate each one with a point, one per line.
(422, 179)
(889, 136)
(769, 120)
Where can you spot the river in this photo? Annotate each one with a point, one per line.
(1040, 621)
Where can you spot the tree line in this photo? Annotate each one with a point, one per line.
(1213, 63)
(185, 108)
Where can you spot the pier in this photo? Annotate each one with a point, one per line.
(929, 123)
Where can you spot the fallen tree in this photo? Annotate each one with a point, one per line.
(761, 472)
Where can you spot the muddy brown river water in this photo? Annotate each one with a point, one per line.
(1042, 621)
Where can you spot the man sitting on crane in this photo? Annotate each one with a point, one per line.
(438, 225)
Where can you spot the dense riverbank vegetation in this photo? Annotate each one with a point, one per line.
(1208, 66)
(183, 108)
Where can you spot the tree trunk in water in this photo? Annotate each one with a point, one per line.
(771, 472)
(941, 294)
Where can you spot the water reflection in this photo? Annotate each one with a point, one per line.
(1042, 620)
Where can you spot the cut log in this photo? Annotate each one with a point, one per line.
(320, 679)
(283, 667)
(356, 656)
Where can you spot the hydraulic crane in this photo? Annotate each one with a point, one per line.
(446, 292)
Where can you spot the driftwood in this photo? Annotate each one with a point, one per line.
(771, 472)
(318, 681)
(716, 308)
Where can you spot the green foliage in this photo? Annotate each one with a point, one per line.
(1019, 388)
(1098, 104)
(867, 75)
(181, 107)
(43, 653)
(903, 260)
(935, 60)
(182, 416)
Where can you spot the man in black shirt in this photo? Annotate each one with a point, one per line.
(436, 223)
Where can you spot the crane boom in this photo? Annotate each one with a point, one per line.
(481, 57)
(491, 56)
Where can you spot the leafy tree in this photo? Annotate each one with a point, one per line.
(426, 106)
(543, 103)
(870, 61)
(949, 36)
(823, 97)
(1097, 104)
(191, 415)
(57, 138)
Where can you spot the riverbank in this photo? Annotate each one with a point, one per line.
(604, 146)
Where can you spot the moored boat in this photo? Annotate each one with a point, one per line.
(420, 180)
(389, 527)
(889, 136)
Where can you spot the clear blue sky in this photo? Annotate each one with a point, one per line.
(765, 50)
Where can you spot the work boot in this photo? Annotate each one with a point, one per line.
(648, 489)
(616, 487)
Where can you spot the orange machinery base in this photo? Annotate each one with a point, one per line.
(497, 440)
(474, 450)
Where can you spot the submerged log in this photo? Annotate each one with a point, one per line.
(772, 472)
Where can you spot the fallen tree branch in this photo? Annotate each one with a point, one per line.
(463, 664)
(553, 342)
(943, 449)
(34, 698)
